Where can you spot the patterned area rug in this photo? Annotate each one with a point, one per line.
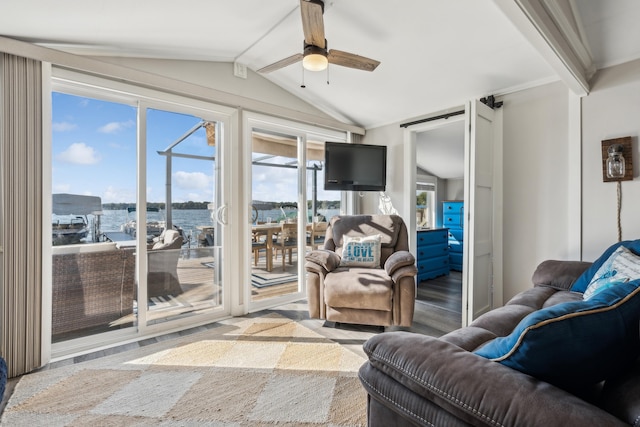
(264, 279)
(246, 372)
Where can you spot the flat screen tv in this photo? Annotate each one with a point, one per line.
(355, 167)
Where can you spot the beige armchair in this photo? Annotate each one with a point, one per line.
(382, 295)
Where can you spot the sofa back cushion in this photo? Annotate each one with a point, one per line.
(577, 343)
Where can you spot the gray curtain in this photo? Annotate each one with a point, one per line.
(21, 213)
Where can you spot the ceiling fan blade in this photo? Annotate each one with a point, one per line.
(281, 64)
(312, 22)
(352, 60)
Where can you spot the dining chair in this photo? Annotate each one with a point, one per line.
(258, 243)
(286, 241)
(315, 237)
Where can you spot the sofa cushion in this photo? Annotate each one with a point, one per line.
(361, 251)
(622, 266)
(580, 285)
(575, 343)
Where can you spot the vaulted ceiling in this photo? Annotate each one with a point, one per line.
(434, 54)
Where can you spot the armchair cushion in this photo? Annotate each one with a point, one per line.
(359, 288)
(576, 343)
(361, 251)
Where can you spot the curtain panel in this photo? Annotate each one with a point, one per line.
(21, 213)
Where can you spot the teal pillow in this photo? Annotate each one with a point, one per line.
(575, 343)
(622, 266)
(581, 283)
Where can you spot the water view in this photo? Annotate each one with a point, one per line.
(187, 219)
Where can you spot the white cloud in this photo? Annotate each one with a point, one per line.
(79, 153)
(118, 195)
(192, 180)
(61, 188)
(115, 127)
(63, 126)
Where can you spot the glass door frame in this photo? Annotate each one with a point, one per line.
(302, 132)
(79, 84)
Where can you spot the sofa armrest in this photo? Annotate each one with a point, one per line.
(405, 367)
(322, 261)
(559, 274)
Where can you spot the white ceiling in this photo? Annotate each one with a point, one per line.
(434, 54)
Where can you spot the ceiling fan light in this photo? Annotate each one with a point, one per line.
(315, 62)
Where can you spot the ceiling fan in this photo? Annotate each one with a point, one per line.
(316, 56)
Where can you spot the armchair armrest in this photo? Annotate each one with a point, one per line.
(397, 260)
(322, 261)
(558, 274)
(406, 367)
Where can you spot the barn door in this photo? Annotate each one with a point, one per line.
(477, 279)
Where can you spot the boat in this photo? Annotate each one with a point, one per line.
(156, 224)
(68, 233)
(71, 224)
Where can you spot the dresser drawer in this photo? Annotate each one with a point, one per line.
(452, 207)
(432, 251)
(456, 234)
(452, 220)
(432, 237)
(433, 264)
(455, 258)
(455, 247)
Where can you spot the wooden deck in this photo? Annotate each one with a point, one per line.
(438, 302)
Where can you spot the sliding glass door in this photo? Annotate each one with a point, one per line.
(289, 208)
(183, 237)
(139, 214)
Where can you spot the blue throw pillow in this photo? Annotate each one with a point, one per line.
(3, 376)
(622, 266)
(582, 282)
(575, 343)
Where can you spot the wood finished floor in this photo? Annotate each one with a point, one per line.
(437, 311)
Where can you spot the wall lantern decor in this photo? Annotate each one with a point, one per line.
(617, 159)
(617, 166)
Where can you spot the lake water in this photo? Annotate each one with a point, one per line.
(190, 219)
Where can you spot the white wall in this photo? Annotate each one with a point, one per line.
(611, 110)
(219, 76)
(535, 193)
(391, 136)
(455, 189)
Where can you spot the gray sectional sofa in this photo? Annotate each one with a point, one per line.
(549, 357)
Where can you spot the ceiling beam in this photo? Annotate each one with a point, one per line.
(554, 29)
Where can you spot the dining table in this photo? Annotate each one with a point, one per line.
(268, 231)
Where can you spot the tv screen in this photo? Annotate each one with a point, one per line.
(355, 167)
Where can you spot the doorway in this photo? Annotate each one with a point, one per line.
(440, 182)
(287, 206)
(482, 201)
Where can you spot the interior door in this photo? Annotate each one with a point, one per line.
(477, 279)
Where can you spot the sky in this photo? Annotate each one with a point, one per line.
(94, 153)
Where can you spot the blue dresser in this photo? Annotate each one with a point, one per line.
(433, 253)
(453, 219)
